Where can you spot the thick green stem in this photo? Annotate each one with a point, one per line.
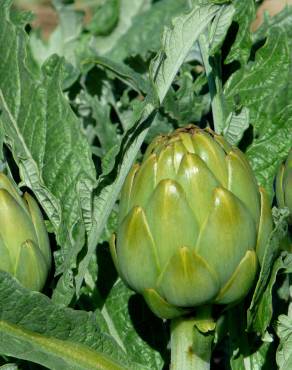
(215, 86)
(191, 342)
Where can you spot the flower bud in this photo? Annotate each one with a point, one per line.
(284, 185)
(193, 223)
(24, 244)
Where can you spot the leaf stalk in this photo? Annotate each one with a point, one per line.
(215, 85)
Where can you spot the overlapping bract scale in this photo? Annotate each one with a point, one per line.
(11, 214)
(241, 280)
(212, 154)
(242, 184)
(165, 211)
(126, 193)
(35, 278)
(136, 252)
(219, 242)
(188, 280)
(191, 220)
(24, 243)
(198, 183)
(143, 186)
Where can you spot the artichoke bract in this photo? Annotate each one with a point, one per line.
(24, 244)
(193, 223)
(284, 185)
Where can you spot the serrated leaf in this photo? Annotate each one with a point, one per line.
(160, 126)
(65, 288)
(209, 44)
(177, 42)
(255, 361)
(104, 129)
(34, 329)
(188, 103)
(259, 79)
(244, 15)
(219, 27)
(273, 132)
(284, 352)
(260, 311)
(282, 21)
(265, 306)
(43, 133)
(259, 86)
(105, 17)
(237, 123)
(128, 10)
(243, 354)
(63, 41)
(137, 42)
(127, 315)
(271, 146)
(124, 73)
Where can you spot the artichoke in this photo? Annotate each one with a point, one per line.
(193, 223)
(24, 244)
(284, 185)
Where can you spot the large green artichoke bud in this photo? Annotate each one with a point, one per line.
(24, 244)
(193, 223)
(284, 185)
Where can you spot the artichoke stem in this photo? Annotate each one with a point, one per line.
(191, 342)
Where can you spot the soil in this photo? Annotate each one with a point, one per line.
(272, 7)
(46, 18)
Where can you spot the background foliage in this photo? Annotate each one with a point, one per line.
(77, 109)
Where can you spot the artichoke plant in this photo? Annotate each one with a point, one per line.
(24, 244)
(193, 224)
(284, 185)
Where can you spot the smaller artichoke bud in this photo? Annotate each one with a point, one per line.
(284, 185)
(24, 244)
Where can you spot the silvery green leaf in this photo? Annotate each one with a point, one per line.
(237, 123)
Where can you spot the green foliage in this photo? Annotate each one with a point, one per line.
(78, 109)
(105, 18)
(28, 332)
